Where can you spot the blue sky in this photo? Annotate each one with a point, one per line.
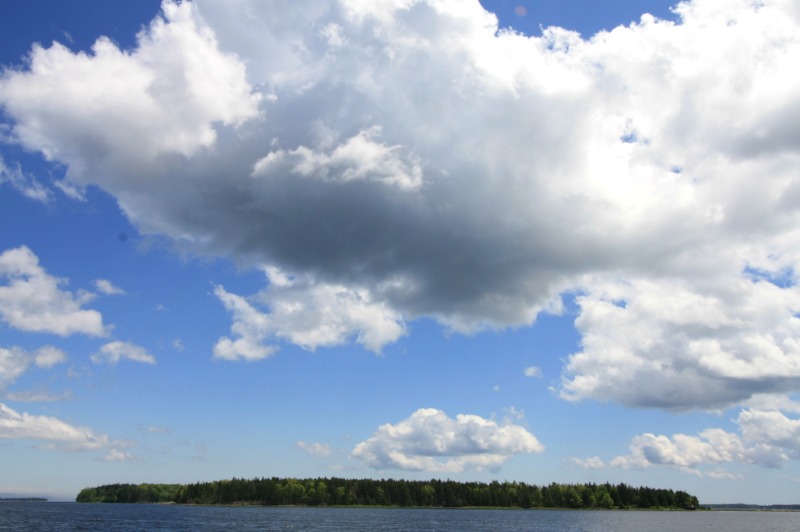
(536, 241)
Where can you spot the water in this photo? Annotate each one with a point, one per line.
(150, 517)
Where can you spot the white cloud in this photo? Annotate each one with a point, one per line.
(38, 397)
(114, 352)
(106, 287)
(117, 455)
(765, 438)
(249, 326)
(32, 301)
(768, 402)
(14, 361)
(594, 462)
(25, 185)
(357, 158)
(512, 414)
(165, 96)
(431, 441)
(404, 159)
(320, 450)
(685, 344)
(48, 356)
(14, 425)
(533, 371)
(70, 190)
(307, 313)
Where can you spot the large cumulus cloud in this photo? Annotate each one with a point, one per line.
(405, 156)
(429, 440)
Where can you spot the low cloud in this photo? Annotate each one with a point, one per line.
(106, 287)
(768, 439)
(594, 462)
(117, 455)
(533, 371)
(32, 301)
(57, 433)
(431, 441)
(14, 361)
(24, 184)
(306, 313)
(30, 396)
(320, 450)
(680, 344)
(114, 352)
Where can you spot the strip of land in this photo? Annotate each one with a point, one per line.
(755, 507)
(390, 492)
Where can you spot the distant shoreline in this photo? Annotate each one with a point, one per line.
(741, 507)
(23, 499)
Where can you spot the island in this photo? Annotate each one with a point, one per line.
(432, 493)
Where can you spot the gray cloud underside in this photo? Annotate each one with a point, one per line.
(409, 153)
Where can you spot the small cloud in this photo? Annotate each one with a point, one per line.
(158, 430)
(70, 190)
(61, 435)
(53, 310)
(38, 397)
(496, 388)
(48, 356)
(24, 184)
(595, 462)
(721, 474)
(533, 371)
(160, 307)
(113, 352)
(115, 455)
(14, 361)
(106, 287)
(521, 11)
(320, 450)
(511, 413)
(177, 345)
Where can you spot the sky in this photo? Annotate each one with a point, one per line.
(525, 240)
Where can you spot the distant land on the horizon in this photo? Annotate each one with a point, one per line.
(756, 507)
(23, 499)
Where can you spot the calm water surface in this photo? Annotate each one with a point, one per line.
(112, 517)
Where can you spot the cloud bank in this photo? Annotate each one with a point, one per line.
(404, 158)
(768, 439)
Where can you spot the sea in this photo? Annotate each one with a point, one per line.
(54, 516)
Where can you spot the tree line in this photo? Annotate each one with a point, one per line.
(390, 492)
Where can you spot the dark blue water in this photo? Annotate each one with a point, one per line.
(125, 517)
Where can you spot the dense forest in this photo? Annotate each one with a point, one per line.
(389, 492)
